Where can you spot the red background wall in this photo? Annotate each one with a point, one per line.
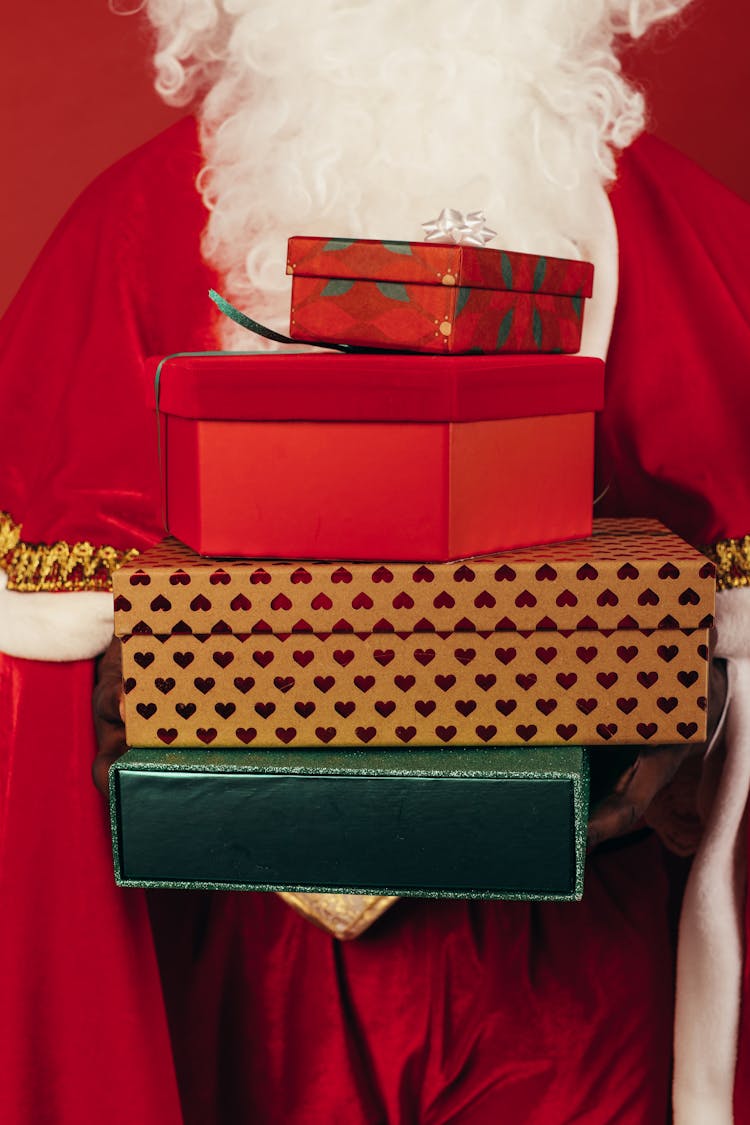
(75, 93)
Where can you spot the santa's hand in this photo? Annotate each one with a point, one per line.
(108, 714)
(622, 809)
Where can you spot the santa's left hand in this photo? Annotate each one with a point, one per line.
(622, 809)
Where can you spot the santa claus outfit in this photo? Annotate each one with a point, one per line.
(223, 1008)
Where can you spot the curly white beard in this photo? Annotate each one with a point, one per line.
(362, 119)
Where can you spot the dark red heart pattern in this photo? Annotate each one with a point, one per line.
(406, 734)
(341, 575)
(407, 686)
(546, 706)
(281, 602)
(485, 682)
(606, 679)
(465, 706)
(505, 573)
(283, 683)
(464, 574)
(445, 683)
(566, 680)
(301, 575)
(446, 734)
(122, 604)
(286, 734)
(566, 730)
(206, 734)
(128, 684)
(382, 574)
(403, 601)
(220, 578)
(167, 735)
(179, 578)
(244, 683)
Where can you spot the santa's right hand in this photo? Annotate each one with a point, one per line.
(108, 714)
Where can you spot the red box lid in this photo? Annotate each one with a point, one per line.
(438, 263)
(330, 386)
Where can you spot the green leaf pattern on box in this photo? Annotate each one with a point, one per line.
(464, 293)
(539, 272)
(505, 326)
(338, 244)
(398, 247)
(336, 287)
(537, 328)
(393, 290)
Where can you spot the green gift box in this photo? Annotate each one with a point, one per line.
(489, 822)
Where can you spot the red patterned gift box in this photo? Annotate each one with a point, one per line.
(376, 456)
(591, 642)
(433, 297)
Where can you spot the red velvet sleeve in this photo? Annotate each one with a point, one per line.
(673, 438)
(121, 278)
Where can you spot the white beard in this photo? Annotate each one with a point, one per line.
(356, 118)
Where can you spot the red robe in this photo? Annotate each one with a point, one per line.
(470, 1013)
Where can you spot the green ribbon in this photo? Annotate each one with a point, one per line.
(267, 333)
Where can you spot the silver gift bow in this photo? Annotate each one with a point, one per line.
(454, 226)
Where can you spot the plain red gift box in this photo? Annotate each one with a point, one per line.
(392, 457)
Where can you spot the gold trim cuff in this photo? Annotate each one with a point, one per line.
(56, 567)
(732, 560)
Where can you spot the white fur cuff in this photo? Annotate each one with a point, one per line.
(44, 626)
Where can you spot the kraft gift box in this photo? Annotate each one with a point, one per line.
(376, 457)
(433, 297)
(464, 823)
(596, 641)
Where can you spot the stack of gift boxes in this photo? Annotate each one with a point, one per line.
(403, 707)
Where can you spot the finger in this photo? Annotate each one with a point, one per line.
(621, 810)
